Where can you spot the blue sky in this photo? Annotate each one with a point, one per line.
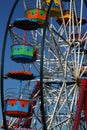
(5, 8)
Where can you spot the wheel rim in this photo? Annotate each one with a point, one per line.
(64, 59)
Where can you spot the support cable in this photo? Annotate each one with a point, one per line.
(85, 2)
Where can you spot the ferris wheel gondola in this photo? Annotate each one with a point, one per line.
(64, 67)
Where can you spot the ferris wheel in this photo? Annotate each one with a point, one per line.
(45, 73)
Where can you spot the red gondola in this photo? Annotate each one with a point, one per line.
(16, 107)
(34, 19)
(20, 75)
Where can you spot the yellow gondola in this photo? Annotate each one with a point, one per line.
(55, 8)
(66, 16)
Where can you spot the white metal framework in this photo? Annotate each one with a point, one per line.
(64, 66)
